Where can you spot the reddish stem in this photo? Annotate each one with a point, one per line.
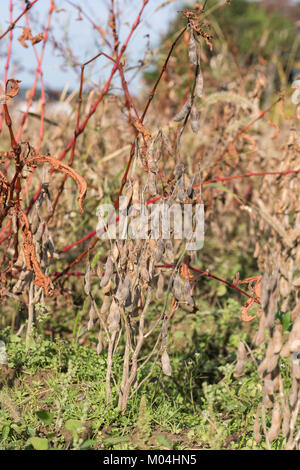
(8, 56)
(13, 24)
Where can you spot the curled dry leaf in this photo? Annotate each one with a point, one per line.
(27, 36)
(256, 291)
(59, 166)
(11, 88)
(139, 127)
(31, 258)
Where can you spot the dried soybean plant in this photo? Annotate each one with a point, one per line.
(137, 268)
(145, 279)
(28, 245)
(276, 220)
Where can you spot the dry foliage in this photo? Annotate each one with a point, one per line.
(222, 137)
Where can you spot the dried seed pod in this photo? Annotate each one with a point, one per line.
(166, 364)
(295, 346)
(187, 293)
(136, 199)
(125, 200)
(296, 370)
(291, 345)
(260, 335)
(160, 250)
(285, 287)
(296, 282)
(277, 340)
(286, 420)
(181, 194)
(144, 272)
(268, 401)
(92, 317)
(109, 267)
(193, 49)
(183, 112)
(268, 386)
(276, 422)
(166, 143)
(152, 183)
(100, 344)
(199, 85)
(194, 119)
(153, 167)
(272, 363)
(105, 305)
(113, 319)
(169, 251)
(123, 254)
(256, 427)
(241, 360)
(179, 169)
(176, 288)
(275, 376)
(87, 279)
(108, 287)
(160, 286)
(115, 252)
(123, 289)
(294, 392)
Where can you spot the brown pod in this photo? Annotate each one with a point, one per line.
(108, 272)
(92, 316)
(187, 293)
(272, 363)
(260, 336)
(105, 305)
(268, 400)
(166, 364)
(193, 53)
(276, 422)
(194, 119)
(199, 85)
(256, 426)
(241, 360)
(286, 420)
(113, 319)
(268, 386)
(183, 112)
(277, 340)
(160, 286)
(294, 392)
(176, 288)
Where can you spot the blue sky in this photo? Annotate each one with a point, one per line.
(84, 41)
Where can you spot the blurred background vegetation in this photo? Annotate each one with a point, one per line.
(251, 31)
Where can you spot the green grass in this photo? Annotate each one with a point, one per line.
(53, 396)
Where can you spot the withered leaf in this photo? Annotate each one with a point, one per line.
(12, 88)
(59, 166)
